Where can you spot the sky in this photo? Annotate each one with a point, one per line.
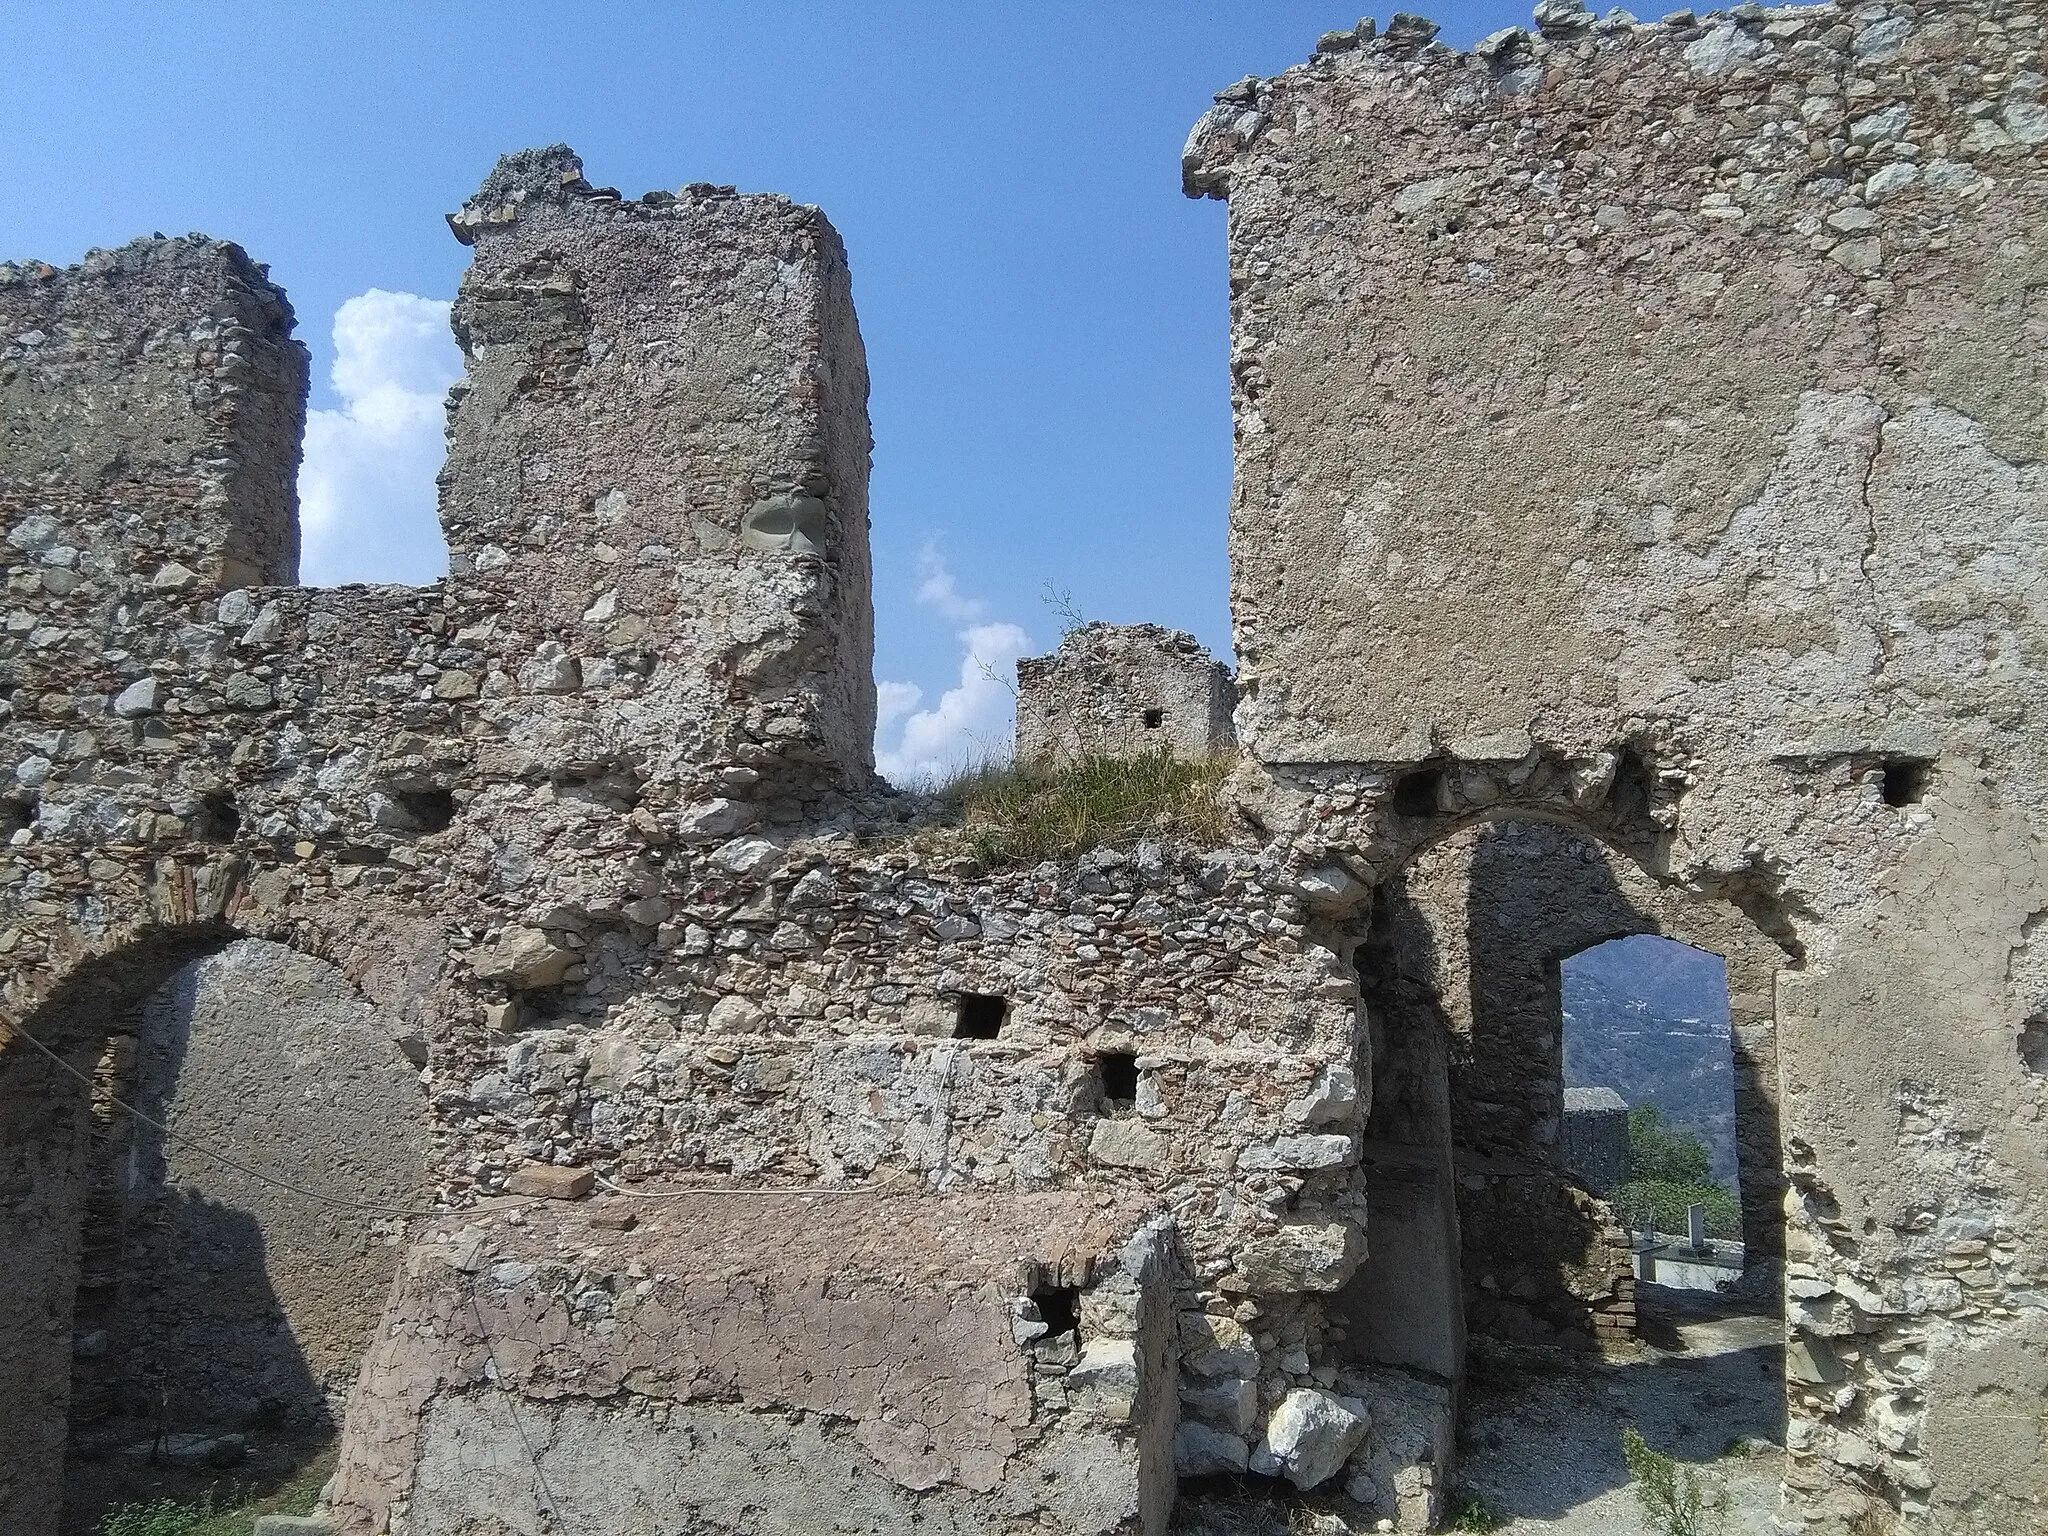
(1045, 314)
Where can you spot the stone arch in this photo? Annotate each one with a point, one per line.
(134, 1269)
(1474, 1221)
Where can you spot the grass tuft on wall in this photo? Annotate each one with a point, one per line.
(1011, 814)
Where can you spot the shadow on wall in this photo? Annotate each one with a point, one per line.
(146, 1288)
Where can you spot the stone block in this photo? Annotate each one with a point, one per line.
(550, 1182)
(1308, 1256)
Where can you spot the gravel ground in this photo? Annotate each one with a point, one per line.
(1542, 1433)
(1541, 1440)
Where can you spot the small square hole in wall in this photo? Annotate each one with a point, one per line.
(16, 815)
(1059, 1308)
(979, 1016)
(1118, 1071)
(1903, 780)
(219, 818)
(1154, 718)
(430, 809)
(1416, 794)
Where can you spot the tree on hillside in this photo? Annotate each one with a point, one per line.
(1657, 1151)
(1670, 1170)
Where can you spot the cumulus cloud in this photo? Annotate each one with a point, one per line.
(366, 487)
(972, 722)
(937, 590)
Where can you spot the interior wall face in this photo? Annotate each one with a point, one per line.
(1463, 993)
(241, 1300)
(148, 1282)
(1678, 387)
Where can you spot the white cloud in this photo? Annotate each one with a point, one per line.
(893, 701)
(971, 723)
(366, 489)
(937, 591)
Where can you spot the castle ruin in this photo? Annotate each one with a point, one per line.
(1638, 528)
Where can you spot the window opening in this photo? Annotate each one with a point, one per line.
(1903, 781)
(1059, 1308)
(1118, 1071)
(1154, 718)
(979, 1016)
(1418, 794)
(430, 809)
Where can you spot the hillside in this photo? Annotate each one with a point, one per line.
(1648, 1017)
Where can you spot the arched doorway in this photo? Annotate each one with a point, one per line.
(1491, 1264)
(178, 1320)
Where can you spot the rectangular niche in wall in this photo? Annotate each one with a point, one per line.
(979, 1015)
(1118, 1073)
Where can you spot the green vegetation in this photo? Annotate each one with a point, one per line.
(1671, 1495)
(1669, 1171)
(218, 1513)
(1662, 1155)
(162, 1517)
(1469, 1512)
(1020, 815)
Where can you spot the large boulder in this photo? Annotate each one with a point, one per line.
(1310, 1436)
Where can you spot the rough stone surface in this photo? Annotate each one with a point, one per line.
(1595, 1145)
(1622, 441)
(1636, 528)
(1118, 690)
(1311, 1434)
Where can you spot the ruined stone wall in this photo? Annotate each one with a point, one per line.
(660, 452)
(171, 435)
(1119, 690)
(1595, 1140)
(1646, 420)
(586, 829)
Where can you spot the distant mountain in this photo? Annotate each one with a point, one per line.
(1648, 1017)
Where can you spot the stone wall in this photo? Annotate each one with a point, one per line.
(658, 459)
(635, 913)
(1595, 1143)
(1635, 530)
(1119, 690)
(1642, 423)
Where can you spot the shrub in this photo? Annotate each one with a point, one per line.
(1019, 815)
(1469, 1512)
(1671, 1494)
(1658, 1153)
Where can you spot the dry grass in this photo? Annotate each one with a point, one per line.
(1012, 815)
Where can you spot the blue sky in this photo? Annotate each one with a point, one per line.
(1045, 314)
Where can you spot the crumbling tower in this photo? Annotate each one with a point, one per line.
(659, 457)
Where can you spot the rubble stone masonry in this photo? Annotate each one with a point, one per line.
(1637, 528)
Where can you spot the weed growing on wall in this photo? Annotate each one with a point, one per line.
(1019, 815)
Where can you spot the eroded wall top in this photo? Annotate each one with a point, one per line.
(663, 441)
(151, 403)
(1686, 371)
